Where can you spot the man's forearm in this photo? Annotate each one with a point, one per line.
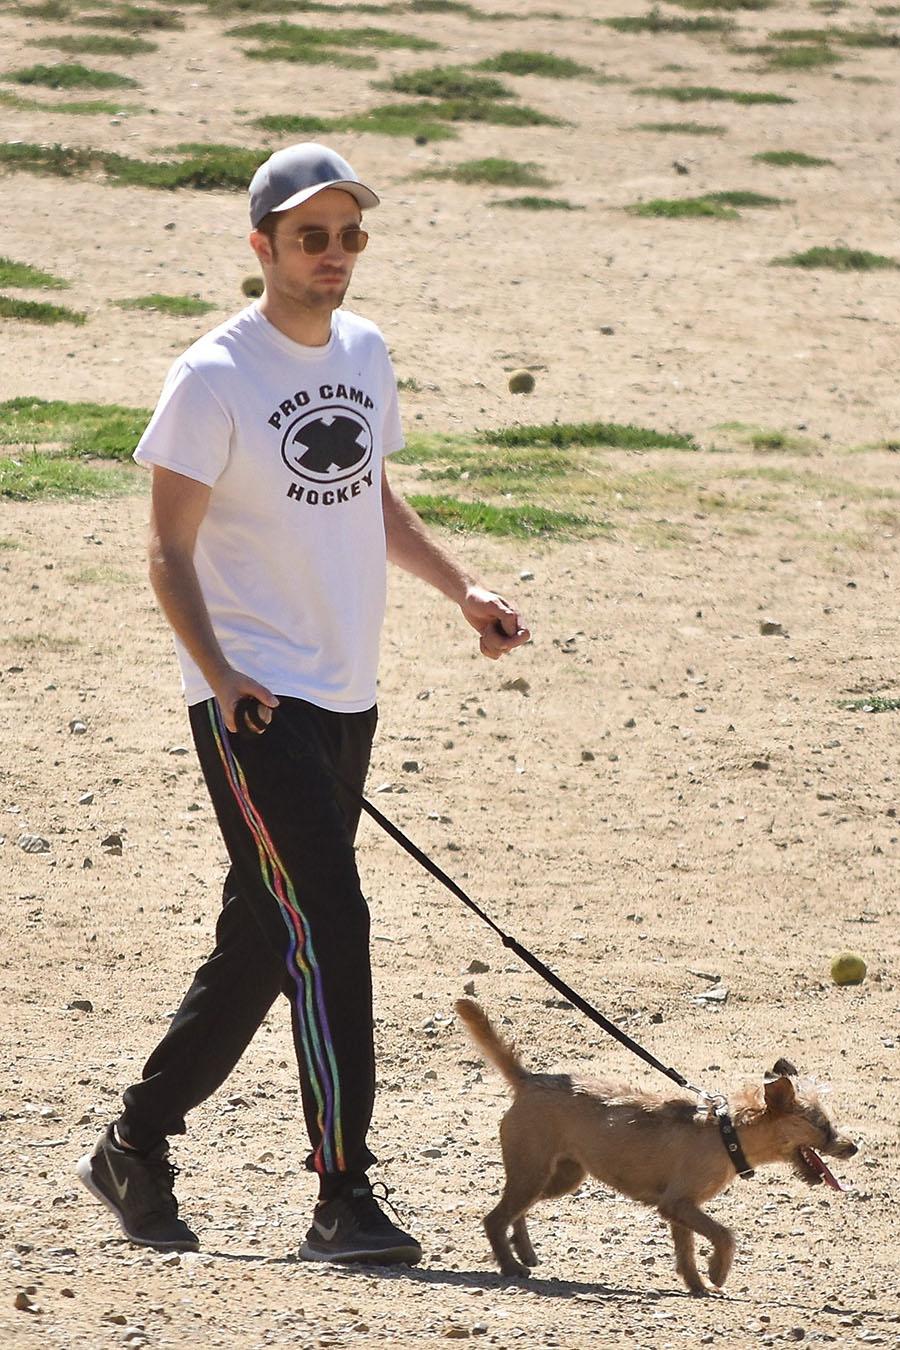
(174, 580)
(412, 547)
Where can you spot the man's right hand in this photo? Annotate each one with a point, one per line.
(231, 687)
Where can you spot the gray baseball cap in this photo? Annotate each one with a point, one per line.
(298, 172)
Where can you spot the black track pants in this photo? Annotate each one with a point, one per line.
(293, 921)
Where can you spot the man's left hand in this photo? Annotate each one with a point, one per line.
(500, 626)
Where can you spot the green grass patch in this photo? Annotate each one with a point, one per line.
(294, 42)
(876, 703)
(39, 476)
(36, 311)
(292, 125)
(497, 172)
(715, 205)
(417, 120)
(136, 18)
(791, 159)
(614, 435)
(796, 58)
(449, 82)
(213, 167)
(183, 306)
(838, 259)
(69, 75)
(76, 107)
(530, 203)
(102, 430)
(729, 5)
(849, 37)
(683, 128)
(697, 93)
(535, 63)
(657, 22)
(517, 522)
(14, 273)
(95, 44)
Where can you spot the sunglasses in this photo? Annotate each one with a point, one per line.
(352, 240)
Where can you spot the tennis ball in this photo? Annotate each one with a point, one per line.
(848, 968)
(253, 286)
(521, 382)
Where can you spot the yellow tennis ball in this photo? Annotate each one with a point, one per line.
(848, 968)
(521, 382)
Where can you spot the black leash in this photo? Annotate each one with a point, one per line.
(249, 722)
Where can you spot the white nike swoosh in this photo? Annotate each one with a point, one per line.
(326, 1233)
(120, 1187)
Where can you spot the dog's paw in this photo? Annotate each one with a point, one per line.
(720, 1262)
(514, 1270)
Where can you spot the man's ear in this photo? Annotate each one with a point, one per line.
(261, 245)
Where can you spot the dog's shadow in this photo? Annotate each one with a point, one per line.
(488, 1281)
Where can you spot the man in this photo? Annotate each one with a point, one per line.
(272, 517)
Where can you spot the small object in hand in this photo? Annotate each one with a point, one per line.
(247, 716)
(521, 382)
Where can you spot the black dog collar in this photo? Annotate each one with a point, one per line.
(732, 1143)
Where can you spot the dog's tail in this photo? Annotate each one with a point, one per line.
(483, 1033)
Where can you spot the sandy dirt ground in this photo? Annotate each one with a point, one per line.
(675, 796)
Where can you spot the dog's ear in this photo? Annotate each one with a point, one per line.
(779, 1090)
(784, 1068)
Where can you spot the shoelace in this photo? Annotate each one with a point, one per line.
(164, 1173)
(370, 1203)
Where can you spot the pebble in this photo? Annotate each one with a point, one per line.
(77, 727)
(178, 750)
(518, 686)
(526, 576)
(477, 967)
(25, 1303)
(33, 843)
(86, 799)
(80, 1005)
(771, 628)
(411, 766)
(457, 1333)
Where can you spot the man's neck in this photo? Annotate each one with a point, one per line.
(309, 327)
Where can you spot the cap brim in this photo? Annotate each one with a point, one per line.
(365, 196)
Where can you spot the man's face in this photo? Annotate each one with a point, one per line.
(312, 281)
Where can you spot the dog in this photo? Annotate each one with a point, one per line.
(665, 1151)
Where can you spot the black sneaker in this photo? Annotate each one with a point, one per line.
(137, 1188)
(354, 1227)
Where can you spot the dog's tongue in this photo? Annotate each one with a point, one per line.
(816, 1163)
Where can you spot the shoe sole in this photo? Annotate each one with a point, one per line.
(85, 1173)
(388, 1256)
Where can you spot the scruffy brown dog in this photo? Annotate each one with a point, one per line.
(663, 1151)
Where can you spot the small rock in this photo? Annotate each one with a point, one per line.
(469, 988)
(178, 750)
(456, 1333)
(760, 764)
(86, 799)
(771, 628)
(630, 724)
(526, 576)
(67, 1293)
(112, 843)
(77, 727)
(33, 843)
(679, 166)
(173, 1259)
(411, 766)
(477, 967)
(607, 329)
(80, 1005)
(587, 756)
(117, 1319)
(25, 1303)
(519, 686)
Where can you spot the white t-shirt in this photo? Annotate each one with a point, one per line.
(290, 555)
